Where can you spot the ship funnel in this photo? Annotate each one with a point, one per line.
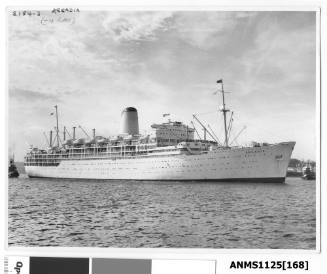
(129, 121)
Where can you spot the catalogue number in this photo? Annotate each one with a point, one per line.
(284, 265)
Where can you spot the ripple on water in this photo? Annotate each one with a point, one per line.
(162, 214)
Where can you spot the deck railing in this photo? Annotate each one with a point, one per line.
(50, 159)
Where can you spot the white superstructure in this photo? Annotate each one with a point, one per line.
(264, 163)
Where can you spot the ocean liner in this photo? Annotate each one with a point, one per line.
(169, 152)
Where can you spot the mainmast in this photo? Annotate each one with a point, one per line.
(224, 110)
(57, 128)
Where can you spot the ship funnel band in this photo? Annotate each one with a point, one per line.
(129, 109)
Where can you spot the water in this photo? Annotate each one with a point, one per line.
(74, 213)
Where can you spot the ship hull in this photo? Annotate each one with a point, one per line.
(261, 164)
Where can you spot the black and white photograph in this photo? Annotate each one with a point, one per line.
(170, 129)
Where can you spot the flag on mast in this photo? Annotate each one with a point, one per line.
(219, 81)
(165, 114)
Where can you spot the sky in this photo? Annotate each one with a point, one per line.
(93, 64)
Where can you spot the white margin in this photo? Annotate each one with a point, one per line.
(184, 253)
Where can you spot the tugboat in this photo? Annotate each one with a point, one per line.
(12, 171)
(308, 172)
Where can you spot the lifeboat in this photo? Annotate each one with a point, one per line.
(79, 142)
(69, 142)
(90, 141)
(101, 140)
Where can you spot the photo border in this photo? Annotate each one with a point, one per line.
(189, 252)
